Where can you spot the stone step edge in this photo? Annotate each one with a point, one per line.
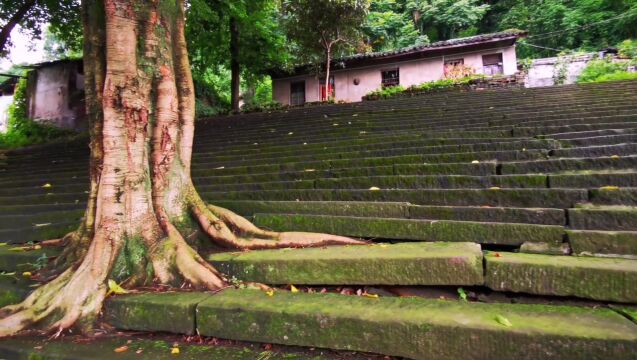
(426, 328)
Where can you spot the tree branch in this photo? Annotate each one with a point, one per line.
(13, 21)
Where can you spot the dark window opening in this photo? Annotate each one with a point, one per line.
(454, 62)
(492, 64)
(297, 93)
(390, 78)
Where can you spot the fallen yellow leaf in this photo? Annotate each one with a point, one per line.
(121, 349)
(374, 188)
(293, 289)
(174, 351)
(383, 245)
(116, 289)
(270, 292)
(27, 274)
(494, 188)
(615, 157)
(609, 188)
(371, 296)
(47, 185)
(475, 162)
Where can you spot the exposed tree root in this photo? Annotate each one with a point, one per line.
(77, 294)
(234, 231)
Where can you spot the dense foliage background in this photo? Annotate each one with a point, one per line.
(263, 42)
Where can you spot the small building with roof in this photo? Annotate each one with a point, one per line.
(353, 77)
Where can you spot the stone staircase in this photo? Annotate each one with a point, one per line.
(529, 193)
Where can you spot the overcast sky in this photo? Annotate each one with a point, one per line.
(24, 50)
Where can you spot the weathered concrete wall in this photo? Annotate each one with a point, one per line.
(542, 72)
(5, 101)
(352, 84)
(56, 95)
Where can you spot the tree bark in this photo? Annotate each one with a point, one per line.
(235, 66)
(328, 56)
(140, 104)
(5, 32)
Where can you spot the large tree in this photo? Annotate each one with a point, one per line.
(140, 104)
(321, 26)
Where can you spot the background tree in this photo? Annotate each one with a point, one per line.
(389, 26)
(140, 106)
(256, 46)
(320, 27)
(587, 25)
(31, 15)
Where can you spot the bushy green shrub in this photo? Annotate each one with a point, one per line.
(21, 130)
(628, 49)
(430, 86)
(386, 92)
(606, 70)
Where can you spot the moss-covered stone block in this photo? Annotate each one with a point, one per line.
(540, 216)
(169, 312)
(418, 328)
(342, 208)
(588, 242)
(569, 164)
(545, 248)
(397, 264)
(617, 218)
(612, 196)
(603, 279)
(466, 168)
(13, 289)
(410, 229)
(12, 258)
(594, 180)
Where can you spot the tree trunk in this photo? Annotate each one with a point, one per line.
(5, 33)
(234, 64)
(328, 56)
(140, 103)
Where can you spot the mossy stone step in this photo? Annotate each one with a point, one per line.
(569, 164)
(539, 216)
(37, 233)
(149, 349)
(13, 258)
(382, 264)
(411, 229)
(433, 182)
(604, 279)
(170, 312)
(593, 180)
(342, 208)
(590, 242)
(418, 328)
(615, 218)
(552, 198)
(26, 220)
(614, 196)
(13, 289)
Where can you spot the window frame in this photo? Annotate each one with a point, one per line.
(385, 84)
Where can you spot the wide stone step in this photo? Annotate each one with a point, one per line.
(534, 198)
(605, 279)
(383, 264)
(14, 258)
(570, 164)
(419, 329)
(606, 243)
(408, 327)
(540, 216)
(37, 232)
(615, 218)
(411, 229)
(38, 220)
